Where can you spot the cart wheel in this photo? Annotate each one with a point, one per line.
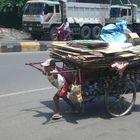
(120, 97)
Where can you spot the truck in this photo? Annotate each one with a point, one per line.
(128, 12)
(42, 17)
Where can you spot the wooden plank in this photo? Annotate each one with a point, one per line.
(57, 54)
(89, 58)
(116, 48)
(67, 52)
(94, 54)
(112, 48)
(98, 54)
(127, 55)
(92, 44)
(71, 48)
(136, 49)
(76, 54)
(95, 58)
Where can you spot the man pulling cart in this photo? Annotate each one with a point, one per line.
(107, 72)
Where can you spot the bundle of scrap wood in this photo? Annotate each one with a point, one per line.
(94, 53)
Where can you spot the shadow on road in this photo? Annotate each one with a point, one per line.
(94, 109)
(136, 108)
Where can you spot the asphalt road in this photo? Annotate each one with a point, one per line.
(26, 107)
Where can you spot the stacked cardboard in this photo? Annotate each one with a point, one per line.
(94, 53)
(134, 38)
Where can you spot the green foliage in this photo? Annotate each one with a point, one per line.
(15, 6)
(8, 6)
(12, 10)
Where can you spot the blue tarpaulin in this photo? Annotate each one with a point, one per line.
(114, 32)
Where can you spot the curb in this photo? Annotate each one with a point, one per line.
(23, 46)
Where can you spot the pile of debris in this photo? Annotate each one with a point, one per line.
(13, 34)
(94, 53)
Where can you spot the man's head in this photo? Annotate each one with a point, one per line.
(49, 62)
(66, 20)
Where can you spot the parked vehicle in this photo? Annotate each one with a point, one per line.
(127, 12)
(44, 16)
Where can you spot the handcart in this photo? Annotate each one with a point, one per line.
(101, 79)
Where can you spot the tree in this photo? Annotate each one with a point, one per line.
(15, 6)
(11, 12)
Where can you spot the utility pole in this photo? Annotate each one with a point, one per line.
(119, 1)
(128, 2)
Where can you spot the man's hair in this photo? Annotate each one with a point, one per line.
(52, 63)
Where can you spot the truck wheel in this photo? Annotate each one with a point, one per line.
(96, 31)
(70, 37)
(85, 32)
(52, 30)
(36, 36)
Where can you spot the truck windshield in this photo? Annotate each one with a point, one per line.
(115, 12)
(34, 8)
(38, 8)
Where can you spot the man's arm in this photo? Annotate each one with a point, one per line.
(60, 27)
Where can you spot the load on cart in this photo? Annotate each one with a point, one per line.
(110, 70)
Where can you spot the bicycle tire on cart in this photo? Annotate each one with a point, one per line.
(120, 97)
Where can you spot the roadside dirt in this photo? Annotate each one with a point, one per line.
(13, 34)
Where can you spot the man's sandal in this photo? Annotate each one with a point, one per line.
(56, 116)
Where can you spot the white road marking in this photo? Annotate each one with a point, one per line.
(24, 92)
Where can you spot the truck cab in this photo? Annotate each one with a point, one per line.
(128, 12)
(38, 16)
(120, 12)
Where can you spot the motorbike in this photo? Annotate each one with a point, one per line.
(61, 35)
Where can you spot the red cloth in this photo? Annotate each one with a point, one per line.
(120, 65)
(70, 76)
(64, 89)
(66, 74)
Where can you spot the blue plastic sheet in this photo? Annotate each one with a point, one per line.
(114, 32)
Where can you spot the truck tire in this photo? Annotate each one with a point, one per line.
(86, 32)
(96, 31)
(36, 36)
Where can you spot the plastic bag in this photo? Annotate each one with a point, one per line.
(76, 96)
(114, 32)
